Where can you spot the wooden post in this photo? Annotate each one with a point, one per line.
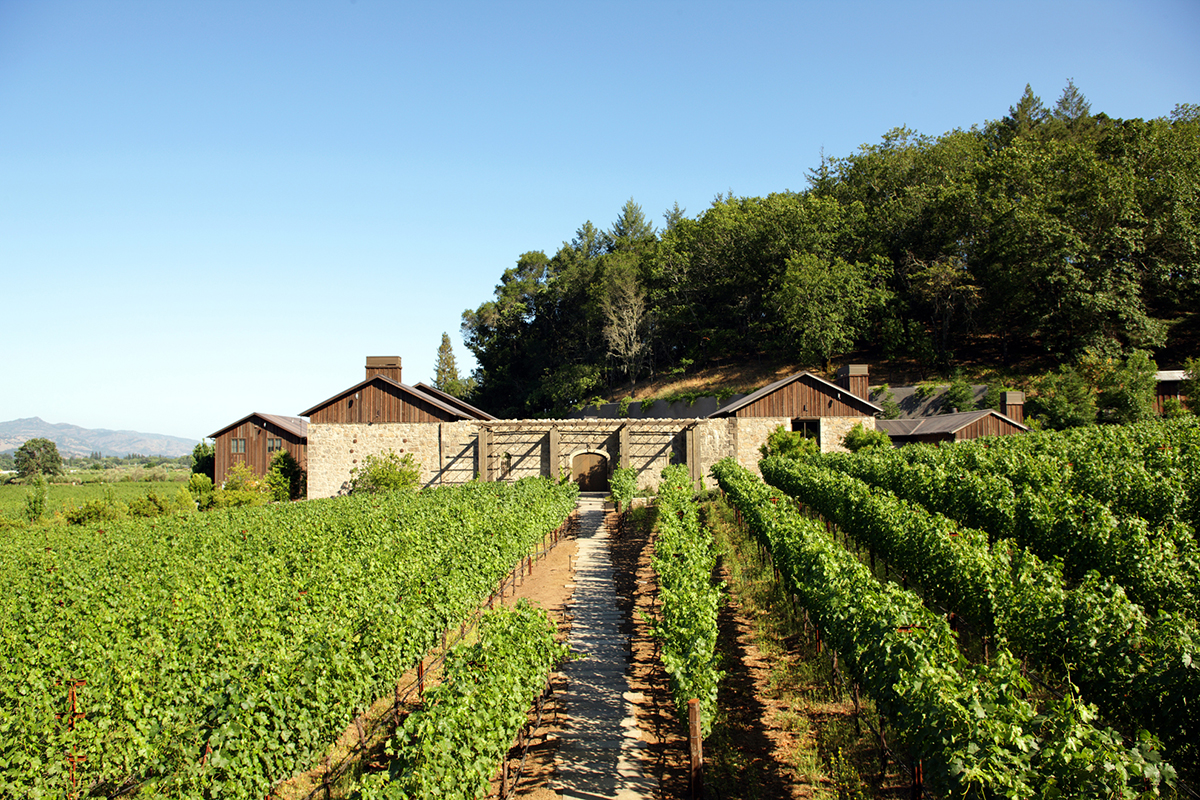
(696, 749)
(421, 677)
(552, 446)
(918, 779)
(623, 445)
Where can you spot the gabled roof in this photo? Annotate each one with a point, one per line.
(294, 425)
(844, 394)
(450, 399)
(942, 423)
(403, 387)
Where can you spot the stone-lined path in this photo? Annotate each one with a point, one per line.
(600, 753)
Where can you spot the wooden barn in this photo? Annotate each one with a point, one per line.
(255, 439)
(950, 427)
(809, 403)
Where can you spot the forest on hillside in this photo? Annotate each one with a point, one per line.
(1051, 233)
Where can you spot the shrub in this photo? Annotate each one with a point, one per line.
(241, 488)
(789, 444)
(285, 479)
(858, 438)
(623, 486)
(1173, 408)
(385, 472)
(150, 505)
(200, 488)
(1062, 400)
(36, 497)
(623, 406)
(1126, 392)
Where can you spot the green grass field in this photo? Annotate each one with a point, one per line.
(64, 496)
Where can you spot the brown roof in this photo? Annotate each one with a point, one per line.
(297, 426)
(404, 387)
(942, 423)
(450, 399)
(850, 398)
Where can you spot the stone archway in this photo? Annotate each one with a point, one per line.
(590, 471)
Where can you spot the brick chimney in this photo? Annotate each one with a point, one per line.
(387, 366)
(853, 378)
(1012, 405)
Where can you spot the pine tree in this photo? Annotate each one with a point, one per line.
(446, 372)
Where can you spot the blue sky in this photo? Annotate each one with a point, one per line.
(213, 208)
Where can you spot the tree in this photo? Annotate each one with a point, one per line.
(284, 480)
(446, 376)
(624, 307)
(38, 457)
(1126, 392)
(1189, 387)
(1063, 400)
(204, 459)
(827, 304)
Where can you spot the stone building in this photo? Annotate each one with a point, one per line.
(454, 442)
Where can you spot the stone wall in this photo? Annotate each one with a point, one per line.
(445, 453)
(448, 453)
(833, 429)
(752, 433)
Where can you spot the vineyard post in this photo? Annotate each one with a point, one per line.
(421, 677)
(696, 749)
(918, 779)
(74, 715)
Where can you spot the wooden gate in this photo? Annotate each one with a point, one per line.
(590, 471)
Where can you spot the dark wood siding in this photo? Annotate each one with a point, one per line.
(379, 402)
(801, 398)
(256, 432)
(1166, 389)
(990, 425)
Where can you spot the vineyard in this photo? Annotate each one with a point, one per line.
(973, 727)
(215, 655)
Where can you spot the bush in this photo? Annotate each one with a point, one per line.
(789, 444)
(623, 486)
(858, 438)
(385, 472)
(1062, 400)
(200, 488)
(150, 505)
(1126, 392)
(285, 479)
(98, 510)
(36, 497)
(241, 488)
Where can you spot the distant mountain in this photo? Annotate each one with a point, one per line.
(73, 440)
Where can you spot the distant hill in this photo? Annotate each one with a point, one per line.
(73, 440)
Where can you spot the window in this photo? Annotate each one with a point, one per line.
(237, 445)
(274, 445)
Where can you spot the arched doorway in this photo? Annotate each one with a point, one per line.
(590, 471)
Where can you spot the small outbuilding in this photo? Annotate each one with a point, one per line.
(255, 439)
(950, 427)
(805, 402)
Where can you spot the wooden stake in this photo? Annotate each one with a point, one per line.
(696, 749)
